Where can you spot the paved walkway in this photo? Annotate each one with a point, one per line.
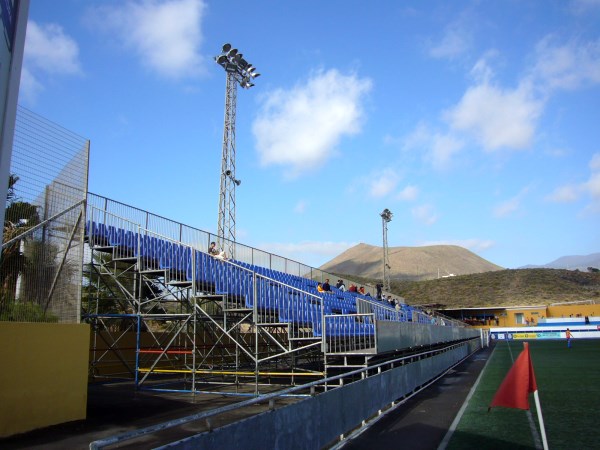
(422, 422)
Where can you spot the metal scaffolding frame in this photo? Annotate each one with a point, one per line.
(187, 337)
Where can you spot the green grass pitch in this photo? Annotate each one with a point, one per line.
(568, 382)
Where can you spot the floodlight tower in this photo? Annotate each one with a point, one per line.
(386, 217)
(239, 71)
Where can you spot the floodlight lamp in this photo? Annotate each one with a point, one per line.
(243, 63)
(386, 215)
(231, 53)
(231, 68)
(226, 48)
(238, 57)
(254, 74)
(221, 59)
(237, 182)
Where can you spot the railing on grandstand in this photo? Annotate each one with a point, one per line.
(200, 239)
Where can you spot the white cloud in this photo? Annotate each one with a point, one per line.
(165, 35)
(381, 184)
(444, 147)
(425, 214)
(595, 162)
(300, 128)
(496, 117)
(29, 87)
(308, 252)
(511, 205)
(566, 65)
(454, 42)
(418, 138)
(409, 193)
(300, 207)
(584, 6)
(48, 51)
(436, 148)
(564, 194)
(570, 193)
(507, 207)
(475, 245)
(592, 186)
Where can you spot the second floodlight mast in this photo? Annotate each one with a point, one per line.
(386, 217)
(239, 71)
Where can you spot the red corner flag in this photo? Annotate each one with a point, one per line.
(518, 383)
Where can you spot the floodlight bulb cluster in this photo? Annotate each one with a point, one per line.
(233, 62)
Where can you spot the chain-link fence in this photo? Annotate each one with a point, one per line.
(42, 250)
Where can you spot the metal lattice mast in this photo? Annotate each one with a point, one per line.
(226, 226)
(386, 217)
(239, 71)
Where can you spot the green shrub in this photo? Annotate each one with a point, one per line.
(24, 312)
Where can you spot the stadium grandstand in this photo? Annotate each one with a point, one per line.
(172, 316)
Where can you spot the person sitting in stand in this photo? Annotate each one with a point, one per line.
(340, 285)
(326, 285)
(361, 290)
(212, 249)
(320, 288)
(352, 288)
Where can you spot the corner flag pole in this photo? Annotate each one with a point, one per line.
(538, 407)
(516, 387)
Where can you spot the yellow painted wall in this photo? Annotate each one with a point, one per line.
(43, 378)
(567, 310)
(531, 314)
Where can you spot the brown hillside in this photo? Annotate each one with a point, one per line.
(503, 288)
(409, 263)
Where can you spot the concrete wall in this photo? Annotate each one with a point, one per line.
(43, 380)
(400, 335)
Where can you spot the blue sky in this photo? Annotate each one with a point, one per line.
(476, 123)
